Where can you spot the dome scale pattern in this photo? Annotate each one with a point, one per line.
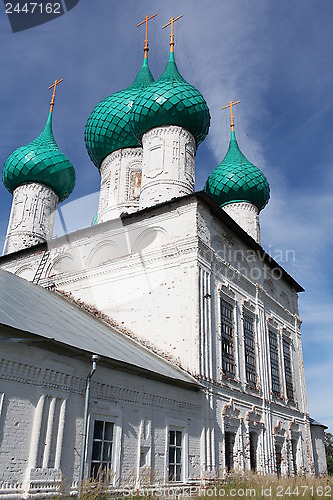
(108, 127)
(40, 161)
(236, 180)
(171, 101)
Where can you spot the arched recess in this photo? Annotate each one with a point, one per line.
(26, 272)
(102, 253)
(284, 300)
(270, 288)
(153, 237)
(63, 264)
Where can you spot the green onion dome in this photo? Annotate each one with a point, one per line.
(40, 161)
(237, 180)
(171, 101)
(108, 127)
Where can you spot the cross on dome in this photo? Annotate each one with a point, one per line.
(54, 86)
(145, 21)
(172, 36)
(230, 105)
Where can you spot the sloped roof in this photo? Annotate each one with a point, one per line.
(30, 308)
(317, 424)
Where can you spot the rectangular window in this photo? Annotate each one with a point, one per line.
(229, 450)
(294, 454)
(275, 370)
(175, 455)
(287, 369)
(250, 354)
(102, 446)
(253, 450)
(227, 339)
(278, 458)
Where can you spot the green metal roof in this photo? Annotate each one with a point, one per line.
(171, 101)
(108, 127)
(40, 161)
(95, 219)
(236, 179)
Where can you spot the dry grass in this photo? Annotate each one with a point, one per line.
(236, 486)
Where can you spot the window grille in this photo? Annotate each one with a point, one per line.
(227, 339)
(275, 370)
(102, 445)
(175, 455)
(287, 370)
(250, 354)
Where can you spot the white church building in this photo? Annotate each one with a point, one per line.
(162, 343)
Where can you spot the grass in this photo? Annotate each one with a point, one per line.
(235, 485)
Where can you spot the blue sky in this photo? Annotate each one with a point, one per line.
(276, 57)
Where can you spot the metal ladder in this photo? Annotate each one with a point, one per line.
(41, 266)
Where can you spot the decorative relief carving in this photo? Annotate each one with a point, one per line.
(168, 130)
(189, 160)
(155, 160)
(175, 152)
(254, 418)
(278, 430)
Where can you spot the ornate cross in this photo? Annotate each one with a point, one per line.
(172, 36)
(54, 85)
(230, 105)
(146, 48)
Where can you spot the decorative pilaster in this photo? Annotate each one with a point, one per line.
(31, 218)
(120, 183)
(168, 165)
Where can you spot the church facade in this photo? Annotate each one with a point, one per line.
(185, 273)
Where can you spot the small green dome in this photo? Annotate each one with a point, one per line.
(40, 161)
(95, 219)
(171, 101)
(108, 127)
(237, 180)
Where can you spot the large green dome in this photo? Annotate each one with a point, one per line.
(108, 127)
(171, 101)
(236, 180)
(40, 161)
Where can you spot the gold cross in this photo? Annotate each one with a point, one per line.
(146, 48)
(54, 85)
(172, 36)
(231, 115)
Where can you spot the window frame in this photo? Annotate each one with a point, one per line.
(247, 315)
(223, 336)
(271, 332)
(177, 425)
(115, 419)
(289, 385)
